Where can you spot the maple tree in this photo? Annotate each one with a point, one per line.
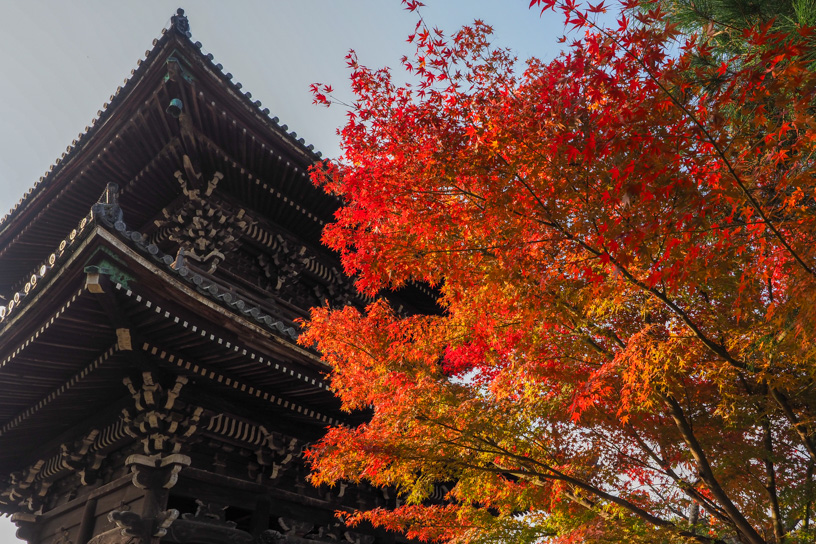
(625, 258)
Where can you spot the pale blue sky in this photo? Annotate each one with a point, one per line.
(61, 61)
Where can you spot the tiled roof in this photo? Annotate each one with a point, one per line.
(108, 215)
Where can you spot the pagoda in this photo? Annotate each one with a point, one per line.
(151, 385)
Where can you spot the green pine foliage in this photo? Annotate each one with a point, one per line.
(721, 23)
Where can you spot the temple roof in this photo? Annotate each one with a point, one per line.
(135, 143)
(96, 288)
(133, 308)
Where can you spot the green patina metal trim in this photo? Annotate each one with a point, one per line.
(110, 265)
(183, 65)
(106, 268)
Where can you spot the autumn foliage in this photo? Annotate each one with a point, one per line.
(623, 242)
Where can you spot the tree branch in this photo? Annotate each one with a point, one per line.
(740, 523)
(776, 515)
(687, 487)
(799, 426)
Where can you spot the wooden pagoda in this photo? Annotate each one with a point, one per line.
(151, 386)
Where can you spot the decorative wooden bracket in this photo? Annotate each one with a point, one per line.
(205, 227)
(159, 419)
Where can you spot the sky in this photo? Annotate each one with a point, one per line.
(62, 60)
